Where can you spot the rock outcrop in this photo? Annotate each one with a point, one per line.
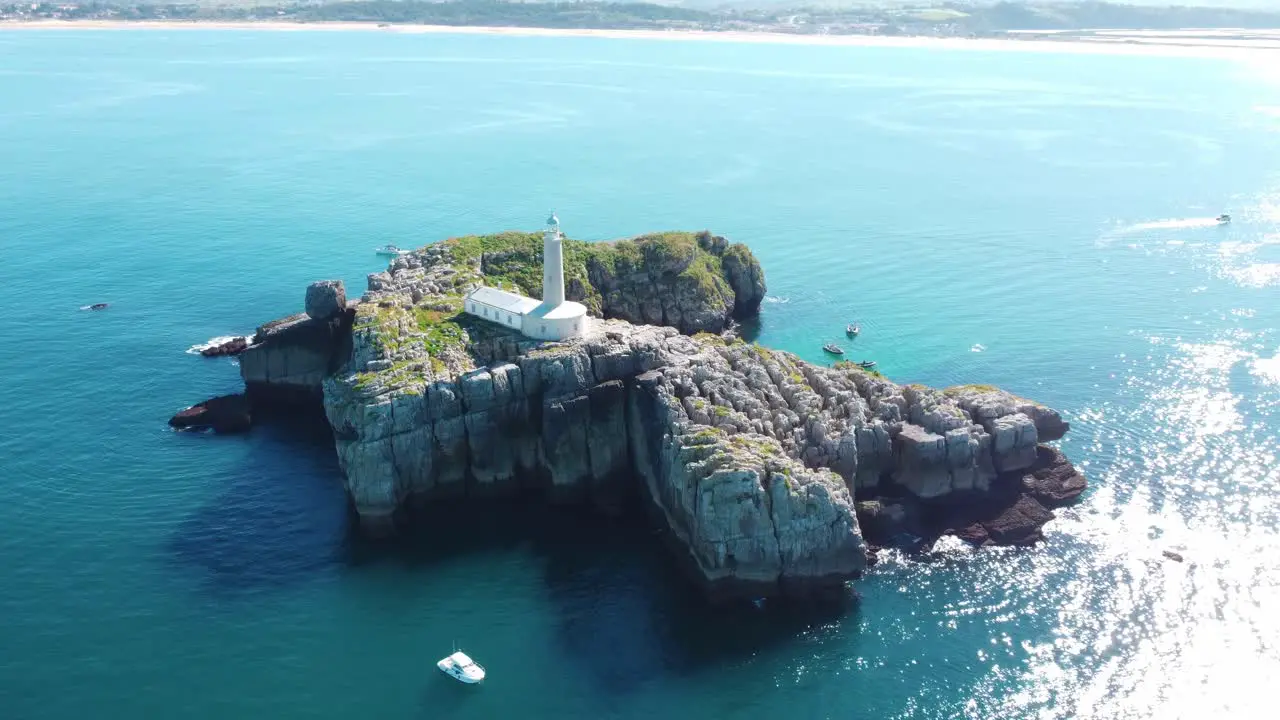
(224, 415)
(586, 420)
(325, 299)
(287, 360)
(750, 457)
(694, 282)
(1052, 479)
(234, 346)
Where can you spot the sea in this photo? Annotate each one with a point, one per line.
(1042, 221)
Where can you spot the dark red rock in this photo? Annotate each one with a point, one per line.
(234, 346)
(1052, 479)
(975, 533)
(225, 414)
(1019, 524)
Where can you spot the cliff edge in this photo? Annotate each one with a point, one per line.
(750, 457)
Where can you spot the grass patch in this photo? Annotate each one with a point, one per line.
(757, 445)
(441, 330)
(962, 389)
(366, 380)
(704, 273)
(706, 338)
(706, 436)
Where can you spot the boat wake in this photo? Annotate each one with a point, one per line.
(213, 342)
(778, 300)
(1176, 224)
(977, 347)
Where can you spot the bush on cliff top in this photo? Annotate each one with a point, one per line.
(689, 264)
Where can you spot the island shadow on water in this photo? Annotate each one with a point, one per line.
(280, 519)
(626, 613)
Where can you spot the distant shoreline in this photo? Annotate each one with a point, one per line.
(1117, 43)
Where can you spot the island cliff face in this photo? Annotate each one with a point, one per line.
(750, 457)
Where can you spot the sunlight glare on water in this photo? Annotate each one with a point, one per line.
(1037, 221)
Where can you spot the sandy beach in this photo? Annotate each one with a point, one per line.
(1174, 43)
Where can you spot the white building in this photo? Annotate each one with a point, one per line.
(552, 318)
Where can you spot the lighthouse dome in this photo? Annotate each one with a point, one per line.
(553, 220)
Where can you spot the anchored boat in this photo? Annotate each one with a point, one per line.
(833, 348)
(390, 250)
(462, 668)
(852, 330)
(866, 364)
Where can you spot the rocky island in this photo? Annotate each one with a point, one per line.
(768, 474)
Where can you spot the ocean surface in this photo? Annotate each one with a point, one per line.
(1039, 221)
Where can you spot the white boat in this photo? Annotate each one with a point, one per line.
(390, 250)
(1223, 219)
(461, 668)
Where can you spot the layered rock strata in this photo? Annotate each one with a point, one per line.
(287, 360)
(750, 457)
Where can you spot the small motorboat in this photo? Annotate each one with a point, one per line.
(95, 306)
(1223, 219)
(833, 348)
(852, 330)
(462, 668)
(390, 250)
(866, 364)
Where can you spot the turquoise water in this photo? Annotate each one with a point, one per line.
(1036, 221)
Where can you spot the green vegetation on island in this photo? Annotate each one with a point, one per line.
(687, 262)
(692, 281)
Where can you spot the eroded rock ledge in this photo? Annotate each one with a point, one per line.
(751, 457)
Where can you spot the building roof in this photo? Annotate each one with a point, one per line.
(503, 300)
(564, 311)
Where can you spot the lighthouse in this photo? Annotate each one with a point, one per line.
(552, 263)
(552, 318)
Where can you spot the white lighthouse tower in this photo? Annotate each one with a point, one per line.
(555, 318)
(552, 263)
